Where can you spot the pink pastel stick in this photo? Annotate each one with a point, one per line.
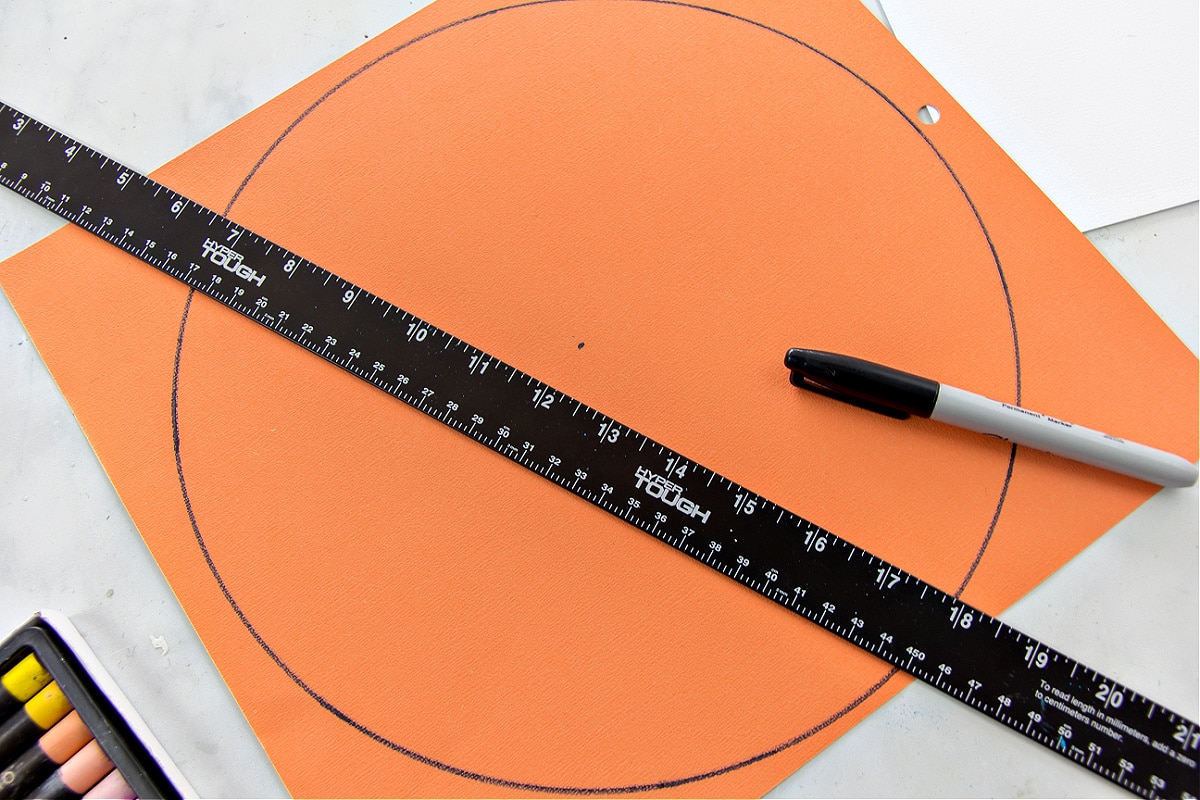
(112, 787)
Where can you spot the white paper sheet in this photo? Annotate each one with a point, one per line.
(1097, 100)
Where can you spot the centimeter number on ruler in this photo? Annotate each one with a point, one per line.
(956, 648)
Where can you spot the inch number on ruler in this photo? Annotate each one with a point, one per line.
(960, 650)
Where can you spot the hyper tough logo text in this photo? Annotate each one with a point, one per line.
(231, 260)
(670, 493)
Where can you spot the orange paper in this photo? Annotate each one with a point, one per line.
(643, 204)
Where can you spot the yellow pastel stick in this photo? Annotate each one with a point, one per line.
(20, 683)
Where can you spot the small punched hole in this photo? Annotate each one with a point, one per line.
(928, 114)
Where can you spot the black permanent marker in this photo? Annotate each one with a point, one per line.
(901, 395)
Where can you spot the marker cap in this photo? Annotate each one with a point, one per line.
(865, 384)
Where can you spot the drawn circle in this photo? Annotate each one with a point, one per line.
(547, 221)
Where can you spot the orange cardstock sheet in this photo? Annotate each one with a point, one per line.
(643, 204)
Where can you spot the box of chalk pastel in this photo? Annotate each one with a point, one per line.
(66, 729)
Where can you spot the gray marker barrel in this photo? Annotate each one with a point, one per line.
(975, 412)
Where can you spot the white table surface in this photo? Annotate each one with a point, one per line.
(142, 81)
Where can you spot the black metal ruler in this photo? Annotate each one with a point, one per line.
(974, 657)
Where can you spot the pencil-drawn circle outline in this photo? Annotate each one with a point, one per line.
(518, 785)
